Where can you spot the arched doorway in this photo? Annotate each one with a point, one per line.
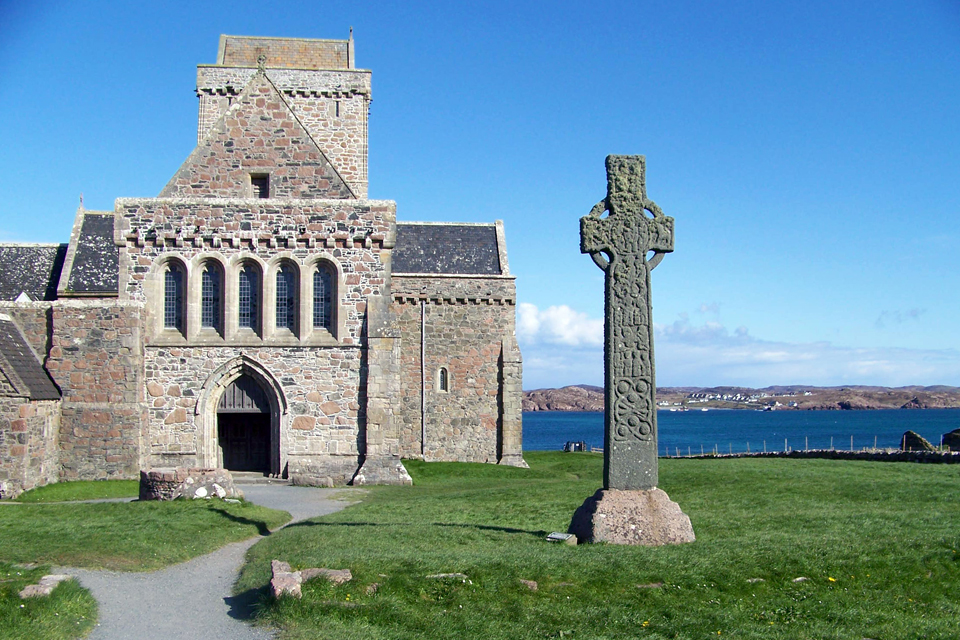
(244, 426)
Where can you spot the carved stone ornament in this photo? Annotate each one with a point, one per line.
(627, 235)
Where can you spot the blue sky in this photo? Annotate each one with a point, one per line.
(808, 151)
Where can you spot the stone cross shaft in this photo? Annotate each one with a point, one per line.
(627, 244)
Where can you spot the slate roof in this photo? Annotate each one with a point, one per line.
(460, 249)
(33, 269)
(20, 366)
(96, 264)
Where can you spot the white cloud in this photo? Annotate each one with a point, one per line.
(557, 325)
(562, 346)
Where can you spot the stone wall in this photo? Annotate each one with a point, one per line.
(318, 410)
(35, 322)
(96, 360)
(294, 53)
(873, 455)
(460, 325)
(28, 444)
(258, 133)
(333, 106)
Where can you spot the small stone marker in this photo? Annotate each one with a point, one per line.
(627, 244)
(565, 538)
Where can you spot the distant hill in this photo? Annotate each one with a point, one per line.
(584, 397)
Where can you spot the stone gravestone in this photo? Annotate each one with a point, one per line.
(627, 244)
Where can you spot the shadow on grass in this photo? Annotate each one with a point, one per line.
(261, 526)
(482, 527)
(244, 606)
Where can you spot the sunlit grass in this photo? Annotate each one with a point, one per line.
(82, 490)
(127, 536)
(877, 543)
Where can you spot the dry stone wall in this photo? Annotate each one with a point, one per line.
(28, 444)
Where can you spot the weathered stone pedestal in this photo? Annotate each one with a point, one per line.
(616, 516)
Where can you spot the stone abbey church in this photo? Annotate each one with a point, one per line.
(261, 313)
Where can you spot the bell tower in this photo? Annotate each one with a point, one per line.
(317, 78)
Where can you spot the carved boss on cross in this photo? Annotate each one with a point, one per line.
(627, 244)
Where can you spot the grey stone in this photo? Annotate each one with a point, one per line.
(646, 518)
(952, 440)
(620, 244)
(912, 441)
(284, 581)
(45, 587)
(170, 484)
(336, 576)
(530, 584)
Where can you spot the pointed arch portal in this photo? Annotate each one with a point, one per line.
(243, 426)
(241, 408)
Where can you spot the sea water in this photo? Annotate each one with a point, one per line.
(732, 430)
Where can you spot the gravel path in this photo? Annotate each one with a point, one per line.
(192, 600)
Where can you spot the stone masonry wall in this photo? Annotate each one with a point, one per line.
(320, 434)
(295, 53)
(29, 433)
(333, 106)
(321, 387)
(96, 360)
(353, 233)
(35, 321)
(258, 133)
(466, 321)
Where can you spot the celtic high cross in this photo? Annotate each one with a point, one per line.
(627, 244)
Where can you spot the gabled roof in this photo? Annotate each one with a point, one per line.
(19, 365)
(448, 249)
(258, 134)
(31, 269)
(92, 265)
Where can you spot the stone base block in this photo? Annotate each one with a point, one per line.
(514, 460)
(382, 470)
(321, 470)
(180, 482)
(647, 518)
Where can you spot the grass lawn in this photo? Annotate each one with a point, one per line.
(82, 490)
(69, 612)
(879, 544)
(127, 536)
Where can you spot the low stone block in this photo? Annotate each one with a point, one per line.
(45, 587)
(336, 576)
(913, 441)
(180, 482)
(639, 517)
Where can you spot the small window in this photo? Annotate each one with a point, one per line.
(443, 380)
(249, 298)
(173, 297)
(286, 298)
(260, 183)
(322, 298)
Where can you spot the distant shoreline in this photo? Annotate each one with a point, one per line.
(775, 398)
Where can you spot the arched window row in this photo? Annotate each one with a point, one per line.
(208, 301)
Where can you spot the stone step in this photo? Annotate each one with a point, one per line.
(256, 477)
